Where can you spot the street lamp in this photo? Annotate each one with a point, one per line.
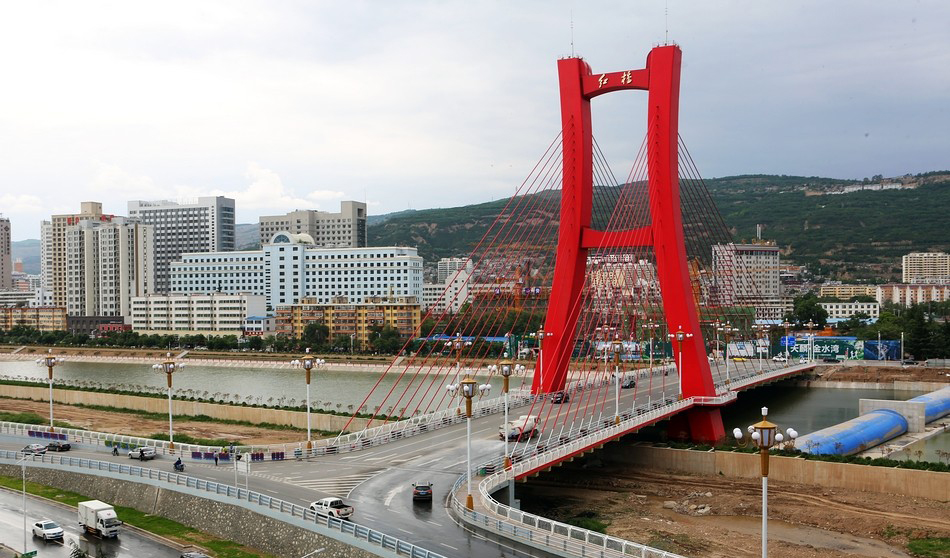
(540, 335)
(169, 367)
(50, 361)
(679, 337)
(22, 462)
(763, 434)
(763, 336)
(506, 370)
(467, 388)
(618, 348)
(811, 340)
(352, 337)
(650, 327)
(727, 331)
(307, 362)
(786, 324)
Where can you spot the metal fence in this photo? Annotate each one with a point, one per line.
(345, 531)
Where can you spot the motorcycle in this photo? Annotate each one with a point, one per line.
(180, 467)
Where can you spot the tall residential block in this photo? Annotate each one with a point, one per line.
(926, 267)
(448, 267)
(54, 239)
(346, 229)
(107, 263)
(202, 225)
(748, 274)
(6, 259)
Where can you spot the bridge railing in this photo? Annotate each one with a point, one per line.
(107, 439)
(344, 531)
(540, 531)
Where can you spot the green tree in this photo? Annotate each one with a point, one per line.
(315, 335)
(807, 309)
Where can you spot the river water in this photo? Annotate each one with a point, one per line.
(804, 409)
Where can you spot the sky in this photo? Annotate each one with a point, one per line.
(421, 104)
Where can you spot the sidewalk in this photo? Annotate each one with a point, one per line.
(7, 552)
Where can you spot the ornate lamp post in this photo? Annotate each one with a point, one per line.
(763, 336)
(307, 362)
(467, 388)
(49, 361)
(763, 434)
(618, 348)
(811, 340)
(169, 367)
(506, 369)
(651, 327)
(727, 331)
(540, 335)
(679, 337)
(786, 324)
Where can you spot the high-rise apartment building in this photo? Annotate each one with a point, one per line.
(106, 265)
(54, 241)
(46, 255)
(748, 274)
(447, 267)
(926, 267)
(6, 256)
(203, 225)
(346, 229)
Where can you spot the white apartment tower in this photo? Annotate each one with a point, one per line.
(107, 263)
(202, 225)
(346, 229)
(447, 267)
(926, 267)
(46, 255)
(6, 258)
(54, 240)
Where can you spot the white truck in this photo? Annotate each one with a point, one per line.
(520, 429)
(332, 507)
(98, 518)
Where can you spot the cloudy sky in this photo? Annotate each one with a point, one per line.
(418, 104)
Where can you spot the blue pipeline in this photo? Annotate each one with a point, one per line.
(938, 403)
(855, 435)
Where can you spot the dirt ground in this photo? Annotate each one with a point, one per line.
(883, 374)
(666, 511)
(122, 423)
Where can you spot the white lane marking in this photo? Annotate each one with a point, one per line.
(449, 546)
(434, 523)
(349, 457)
(404, 531)
(390, 496)
(429, 462)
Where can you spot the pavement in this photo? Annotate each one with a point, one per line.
(7, 552)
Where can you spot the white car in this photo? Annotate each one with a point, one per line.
(780, 358)
(333, 507)
(47, 530)
(142, 453)
(34, 448)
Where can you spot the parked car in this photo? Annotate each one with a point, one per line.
(628, 383)
(194, 555)
(909, 362)
(831, 360)
(56, 445)
(143, 453)
(47, 530)
(422, 491)
(39, 449)
(780, 358)
(560, 397)
(739, 359)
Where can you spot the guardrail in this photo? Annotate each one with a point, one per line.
(345, 531)
(545, 533)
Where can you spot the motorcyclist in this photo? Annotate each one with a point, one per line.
(178, 465)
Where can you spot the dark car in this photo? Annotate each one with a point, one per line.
(831, 360)
(422, 491)
(560, 397)
(909, 362)
(194, 555)
(56, 445)
(628, 383)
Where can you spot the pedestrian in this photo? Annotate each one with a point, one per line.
(141, 454)
(115, 450)
(215, 460)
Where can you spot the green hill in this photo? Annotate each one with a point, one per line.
(860, 234)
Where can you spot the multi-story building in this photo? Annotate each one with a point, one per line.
(107, 263)
(844, 310)
(748, 274)
(46, 255)
(42, 319)
(259, 326)
(344, 318)
(346, 229)
(54, 240)
(202, 225)
(16, 298)
(447, 267)
(290, 268)
(448, 296)
(909, 294)
(6, 256)
(845, 292)
(926, 267)
(204, 314)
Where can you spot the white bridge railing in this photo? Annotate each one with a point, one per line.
(345, 531)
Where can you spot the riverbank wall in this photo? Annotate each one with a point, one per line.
(254, 415)
(911, 483)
